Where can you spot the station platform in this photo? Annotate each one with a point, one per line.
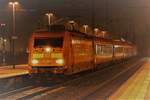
(137, 87)
(8, 71)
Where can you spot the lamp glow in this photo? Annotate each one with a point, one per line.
(16, 3)
(48, 49)
(35, 61)
(60, 61)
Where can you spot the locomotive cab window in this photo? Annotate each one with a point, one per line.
(56, 42)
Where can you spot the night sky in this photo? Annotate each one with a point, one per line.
(128, 18)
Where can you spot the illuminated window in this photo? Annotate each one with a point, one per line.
(104, 50)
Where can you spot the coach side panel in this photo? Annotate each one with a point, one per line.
(82, 54)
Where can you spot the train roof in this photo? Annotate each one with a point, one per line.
(77, 33)
(119, 42)
(44, 31)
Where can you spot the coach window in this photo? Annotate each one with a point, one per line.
(106, 50)
(118, 49)
(98, 49)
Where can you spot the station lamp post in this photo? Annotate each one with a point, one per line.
(85, 28)
(14, 5)
(96, 30)
(104, 33)
(49, 16)
(72, 23)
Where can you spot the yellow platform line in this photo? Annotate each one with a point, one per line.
(136, 87)
(12, 73)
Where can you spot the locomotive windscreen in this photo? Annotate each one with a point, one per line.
(53, 42)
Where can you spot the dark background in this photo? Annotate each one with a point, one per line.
(126, 18)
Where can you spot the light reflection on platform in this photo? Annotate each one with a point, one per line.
(137, 87)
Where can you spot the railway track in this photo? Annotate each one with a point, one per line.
(36, 91)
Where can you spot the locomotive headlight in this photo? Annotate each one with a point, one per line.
(35, 61)
(60, 61)
(48, 49)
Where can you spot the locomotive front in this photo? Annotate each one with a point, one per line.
(46, 51)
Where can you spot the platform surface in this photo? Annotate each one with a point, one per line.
(8, 71)
(137, 87)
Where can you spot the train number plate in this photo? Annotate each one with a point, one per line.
(38, 55)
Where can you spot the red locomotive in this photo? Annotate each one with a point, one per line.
(68, 52)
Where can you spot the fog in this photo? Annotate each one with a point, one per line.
(126, 18)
